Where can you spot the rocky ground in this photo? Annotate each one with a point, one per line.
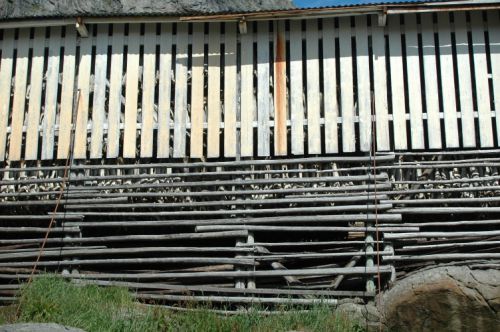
(12, 9)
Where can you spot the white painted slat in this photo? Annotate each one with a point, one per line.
(263, 131)
(247, 101)
(197, 97)
(330, 87)
(481, 79)
(494, 40)
(19, 101)
(431, 82)
(346, 77)
(313, 98)
(230, 90)
(99, 102)
(448, 81)
(180, 113)
(464, 81)
(82, 107)
(380, 87)
(51, 89)
(35, 98)
(214, 105)
(363, 83)
(131, 92)
(280, 95)
(148, 90)
(296, 88)
(397, 83)
(413, 81)
(67, 93)
(6, 64)
(115, 92)
(164, 87)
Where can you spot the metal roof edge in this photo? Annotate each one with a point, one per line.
(296, 13)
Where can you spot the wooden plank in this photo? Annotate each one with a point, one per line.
(51, 90)
(247, 100)
(230, 90)
(313, 93)
(431, 82)
(448, 81)
(413, 81)
(131, 92)
(148, 90)
(67, 93)
(296, 88)
(363, 83)
(82, 107)
(180, 112)
(19, 101)
(197, 97)
(346, 77)
(331, 108)
(6, 65)
(98, 105)
(464, 81)
(263, 94)
(35, 100)
(115, 92)
(214, 105)
(380, 88)
(280, 91)
(164, 93)
(397, 84)
(494, 44)
(481, 79)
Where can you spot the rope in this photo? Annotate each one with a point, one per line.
(67, 173)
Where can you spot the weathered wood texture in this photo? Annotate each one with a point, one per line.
(283, 88)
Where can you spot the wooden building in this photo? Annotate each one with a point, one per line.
(258, 156)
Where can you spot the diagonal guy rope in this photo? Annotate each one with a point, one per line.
(67, 173)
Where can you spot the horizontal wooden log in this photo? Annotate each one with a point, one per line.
(276, 211)
(272, 257)
(69, 251)
(63, 201)
(440, 257)
(429, 201)
(445, 210)
(260, 191)
(122, 238)
(397, 236)
(304, 229)
(247, 202)
(39, 230)
(446, 223)
(310, 219)
(237, 299)
(239, 163)
(134, 261)
(452, 246)
(236, 274)
(221, 290)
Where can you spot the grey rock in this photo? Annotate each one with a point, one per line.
(16, 9)
(37, 327)
(446, 298)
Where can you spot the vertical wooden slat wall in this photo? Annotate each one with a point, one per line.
(287, 87)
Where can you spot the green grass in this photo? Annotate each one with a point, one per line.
(93, 308)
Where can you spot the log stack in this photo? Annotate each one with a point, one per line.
(231, 233)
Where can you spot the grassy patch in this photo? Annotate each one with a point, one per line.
(93, 308)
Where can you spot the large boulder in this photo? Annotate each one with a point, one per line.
(447, 298)
(12, 9)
